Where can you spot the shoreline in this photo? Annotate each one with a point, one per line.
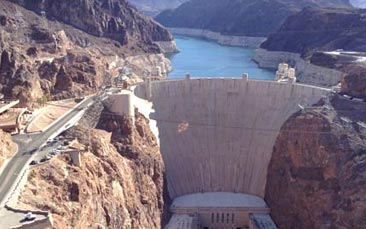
(238, 41)
(306, 72)
(167, 46)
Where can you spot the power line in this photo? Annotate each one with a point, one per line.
(246, 128)
(275, 130)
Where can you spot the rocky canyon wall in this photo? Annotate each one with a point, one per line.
(354, 82)
(316, 177)
(249, 18)
(120, 183)
(167, 46)
(114, 19)
(48, 59)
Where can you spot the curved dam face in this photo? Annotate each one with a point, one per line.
(217, 135)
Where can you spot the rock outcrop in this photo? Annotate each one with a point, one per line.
(354, 82)
(238, 17)
(320, 29)
(114, 19)
(33, 49)
(119, 185)
(316, 178)
(7, 147)
(304, 37)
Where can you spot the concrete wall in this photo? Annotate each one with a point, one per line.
(6, 106)
(217, 135)
(75, 157)
(183, 222)
(223, 218)
(44, 219)
(121, 104)
(15, 191)
(220, 210)
(39, 224)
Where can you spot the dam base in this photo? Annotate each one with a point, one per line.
(218, 210)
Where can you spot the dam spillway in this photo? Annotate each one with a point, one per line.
(217, 135)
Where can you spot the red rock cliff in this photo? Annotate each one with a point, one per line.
(317, 174)
(120, 184)
(69, 55)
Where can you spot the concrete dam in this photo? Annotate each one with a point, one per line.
(216, 138)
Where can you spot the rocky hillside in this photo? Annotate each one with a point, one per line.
(238, 17)
(119, 185)
(114, 19)
(315, 29)
(154, 7)
(48, 59)
(7, 147)
(317, 173)
(354, 82)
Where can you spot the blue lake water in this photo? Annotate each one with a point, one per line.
(203, 58)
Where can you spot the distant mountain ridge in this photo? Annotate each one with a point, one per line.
(358, 3)
(154, 7)
(320, 29)
(256, 18)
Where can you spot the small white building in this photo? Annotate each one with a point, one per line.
(223, 210)
(285, 73)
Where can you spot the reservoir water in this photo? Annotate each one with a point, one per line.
(203, 58)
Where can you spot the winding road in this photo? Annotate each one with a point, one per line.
(29, 145)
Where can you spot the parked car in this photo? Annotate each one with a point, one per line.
(46, 158)
(43, 160)
(52, 140)
(66, 143)
(29, 217)
(34, 162)
(53, 152)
